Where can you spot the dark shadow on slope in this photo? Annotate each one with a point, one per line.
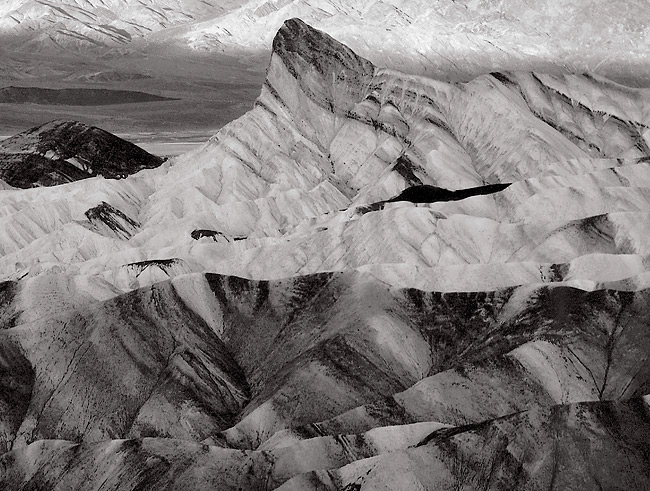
(164, 265)
(8, 313)
(200, 233)
(140, 364)
(430, 194)
(426, 193)
(16, 384)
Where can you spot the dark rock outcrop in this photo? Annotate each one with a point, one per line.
(109, 221)
(8, 312)
(214, 235)
(66, 151)
(325, 68)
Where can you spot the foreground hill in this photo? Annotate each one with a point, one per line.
(66, 151)
(392, 387)
(372, 280)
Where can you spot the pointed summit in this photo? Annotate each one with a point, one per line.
(322, 65)
(316, 48)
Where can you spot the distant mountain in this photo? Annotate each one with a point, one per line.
(83, 24)
(237, 318)
(455, 39)
(446, 38)
(66, 151)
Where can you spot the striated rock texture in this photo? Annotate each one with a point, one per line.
(396, 387)
(372, 280)
(66, 151)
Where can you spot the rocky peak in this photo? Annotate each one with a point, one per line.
(323, 65)
(304, 46)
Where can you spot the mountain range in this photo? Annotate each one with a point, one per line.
(211, 56)
(373, 279)
(446, 38)
(88, 23)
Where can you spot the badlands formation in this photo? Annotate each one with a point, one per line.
(371, 280)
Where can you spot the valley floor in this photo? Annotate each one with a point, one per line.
(168, 144)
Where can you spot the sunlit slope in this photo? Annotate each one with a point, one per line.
(281, 191)
(372, 280)
(87, 24)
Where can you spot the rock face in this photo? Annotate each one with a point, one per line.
(372, 280)
(66, 151)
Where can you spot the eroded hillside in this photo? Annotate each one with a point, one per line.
(372, 280)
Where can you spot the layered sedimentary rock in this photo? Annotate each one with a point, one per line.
(371, 280)
(330, 135)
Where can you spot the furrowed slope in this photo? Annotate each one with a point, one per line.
(452, 39)
(79, 25)
(330, 131)
(289, 360)
(372, 279)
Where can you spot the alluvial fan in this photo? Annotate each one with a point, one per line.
(372, 280)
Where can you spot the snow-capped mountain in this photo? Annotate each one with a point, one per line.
(371, 280)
